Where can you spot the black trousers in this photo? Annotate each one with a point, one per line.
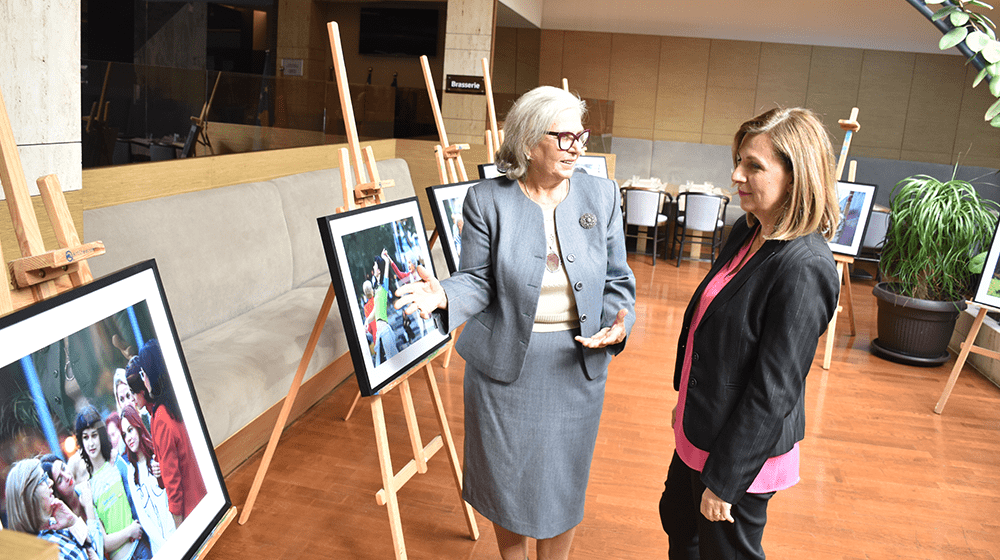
(692, 537)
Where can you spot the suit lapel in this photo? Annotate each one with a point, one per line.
(745, 273)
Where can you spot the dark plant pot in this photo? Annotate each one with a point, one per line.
(913, 331)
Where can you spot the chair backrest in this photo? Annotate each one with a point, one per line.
(642, 207)
(701, 211)
(878, 225)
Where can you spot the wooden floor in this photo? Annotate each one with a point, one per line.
(883, 477)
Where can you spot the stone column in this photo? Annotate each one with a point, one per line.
(40, 81)
(467, 42)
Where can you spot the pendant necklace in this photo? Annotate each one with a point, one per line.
(552, 259)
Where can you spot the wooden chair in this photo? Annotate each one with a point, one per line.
(703, 214)
(643, 208)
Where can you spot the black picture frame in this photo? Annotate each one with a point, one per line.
(446, 206)
(352, 240)
(988, 289)
(856, 201)
(69, 340)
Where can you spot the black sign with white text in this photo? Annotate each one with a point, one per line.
(465, 84)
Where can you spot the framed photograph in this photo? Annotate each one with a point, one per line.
(371, 252)
(856, 200)
(488, 171)
(988, 290)
(446, 204)
(94, 390)
(593, 165)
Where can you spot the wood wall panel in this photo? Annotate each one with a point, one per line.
(931, 125)
(681, 87)
(550, 57)
(783, 76)
(834, 77)
(883, 99)
(726, 108)
(733, 64)
(528, 49)
(633, 87)
(586, 63)
(504, 76)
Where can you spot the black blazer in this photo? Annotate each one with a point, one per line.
(752, 351)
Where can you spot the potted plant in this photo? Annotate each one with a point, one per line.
(936, 228)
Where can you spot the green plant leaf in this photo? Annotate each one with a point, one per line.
(979, 77)
(943, 13)
(995, 122)
(995, 86)
(978, 3)
(932, 2)
(986, 22)
(994, 109)
(952, 38)
(959, 17)
(991, 52)
(977, 41)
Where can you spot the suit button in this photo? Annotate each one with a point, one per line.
(693, 382)
(583, 318)
(571, 257)
(694, 357)
(578, 286)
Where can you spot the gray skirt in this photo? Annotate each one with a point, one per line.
(529, 443)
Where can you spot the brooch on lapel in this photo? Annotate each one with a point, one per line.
(588, 220)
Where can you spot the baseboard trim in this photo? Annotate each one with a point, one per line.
(238, 447)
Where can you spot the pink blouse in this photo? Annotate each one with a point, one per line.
(777, 473)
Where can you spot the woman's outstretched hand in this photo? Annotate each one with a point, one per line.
(424, 296)
(608, 335)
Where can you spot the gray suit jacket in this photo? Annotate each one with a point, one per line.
(503, 259)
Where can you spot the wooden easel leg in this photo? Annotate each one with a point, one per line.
(832, 328)
(62, 223)
(410, 413)
(447, 353)
(960, 362)
(286, 407)
(849, 303)
(350, 411)
(388, 480)
(456, 468)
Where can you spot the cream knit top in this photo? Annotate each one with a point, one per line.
(556, 305)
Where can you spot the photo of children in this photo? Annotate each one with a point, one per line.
(94, 455)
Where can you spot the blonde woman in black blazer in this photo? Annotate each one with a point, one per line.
(547, 299)
(748, 340)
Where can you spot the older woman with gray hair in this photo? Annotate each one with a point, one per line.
(547, 300)
(33, 508)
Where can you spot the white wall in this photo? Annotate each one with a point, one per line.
(881, 24)
(40, 82)
(530, 10)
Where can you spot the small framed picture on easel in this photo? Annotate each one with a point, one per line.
(988, 290)
(856, 200)
(370, 252)
(446, 205)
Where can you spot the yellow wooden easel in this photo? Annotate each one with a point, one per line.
(494, 136)
(851, 126)
(967, 346)
(367, 194)
(451, 152)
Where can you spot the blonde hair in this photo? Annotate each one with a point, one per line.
(527, 122)
(803, 145)
(24, 509)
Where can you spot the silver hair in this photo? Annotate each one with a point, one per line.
(24, 509)
(526, 124)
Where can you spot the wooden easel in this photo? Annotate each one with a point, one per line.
(493, 136)
(99, 109)
(366, 194)
(40, 274)
(199, 126)
(967, 346)
(851, 126)
(451, 152)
